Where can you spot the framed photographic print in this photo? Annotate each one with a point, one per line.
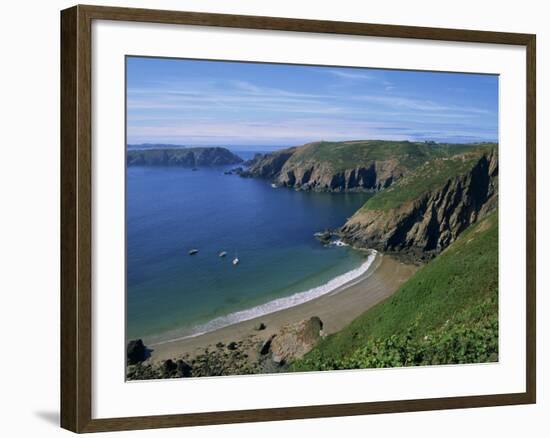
(268, 218)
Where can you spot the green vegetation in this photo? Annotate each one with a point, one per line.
(426, 177)
(351, 154)
(446, 313)
(196, 156)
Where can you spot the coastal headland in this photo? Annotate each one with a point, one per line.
(428, 198)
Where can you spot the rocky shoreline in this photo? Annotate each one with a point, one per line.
(255, 354)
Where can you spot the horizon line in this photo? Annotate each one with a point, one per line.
(224, 144)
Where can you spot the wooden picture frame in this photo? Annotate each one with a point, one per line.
(76, 217)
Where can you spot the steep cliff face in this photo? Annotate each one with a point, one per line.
(427, 193)
(188, 157)
(321, 176)
(364, 165)
(268, 165)
(418, 224)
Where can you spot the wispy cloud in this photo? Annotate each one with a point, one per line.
(288, 131)
(240, 95)
(234, 106)
(232, 94)
(418, 104)
(351, 75)
(355, 76)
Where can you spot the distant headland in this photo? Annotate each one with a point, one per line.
(181, 156)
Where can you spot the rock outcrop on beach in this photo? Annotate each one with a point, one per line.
(254, 354)
(186, 157)
(295, 340)
(346, 166)
(423, 213)
(136, 351)
(221, 359)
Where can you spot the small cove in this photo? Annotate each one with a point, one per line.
(171, 210)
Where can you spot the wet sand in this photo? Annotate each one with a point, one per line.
(336, 309)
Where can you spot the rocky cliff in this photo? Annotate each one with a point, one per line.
(424, 212)
(366, 165)
(268, 165)
(188, 157)
(373, 176)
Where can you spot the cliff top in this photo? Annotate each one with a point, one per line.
(351, 154)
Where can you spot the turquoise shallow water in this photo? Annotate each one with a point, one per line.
(172, 210)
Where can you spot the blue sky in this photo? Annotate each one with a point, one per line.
(193, 102)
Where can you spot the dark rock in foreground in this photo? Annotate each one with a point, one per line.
(266, 345)
(254, 354)
(183, 369)
(169, 368)
(135, 351)
(260, 326)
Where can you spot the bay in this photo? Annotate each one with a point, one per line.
(171, 210)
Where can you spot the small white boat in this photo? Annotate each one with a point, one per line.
(223, 254)
(273, 186)
(193, 251)
(236, 261)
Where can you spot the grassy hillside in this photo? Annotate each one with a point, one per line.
(351, 154)
(446, 313)
(428, 176)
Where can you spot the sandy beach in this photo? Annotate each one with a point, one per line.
(336, 310)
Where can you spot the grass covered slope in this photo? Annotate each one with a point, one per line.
(425, 211)
(446, 313)
(346, 166)
(428, 176)
(350, 154)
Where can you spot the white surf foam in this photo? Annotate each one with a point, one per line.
(338, 242)
(279, 303)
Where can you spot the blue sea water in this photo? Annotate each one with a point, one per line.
(171, 210)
